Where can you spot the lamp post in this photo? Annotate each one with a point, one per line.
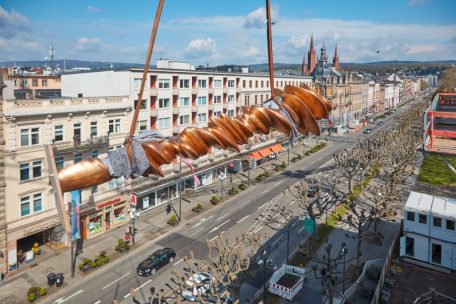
(180, 188)
(344, 252)
(222, 178)
(264, 260)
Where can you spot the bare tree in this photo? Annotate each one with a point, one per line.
(381, 200)
(349, 163)
(359, 218)
(227, 263)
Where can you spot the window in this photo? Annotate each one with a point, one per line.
(450, 225)
(58, 133)
(93, 128)
(231, 83)
(184, 83)
(250, 83)
(59, 161)
(243, 83)
(44, 83)
(410, 216)
(30, 136)
(217, 99)
(409, 246)
(25, 206)
(217, 113)
(184, 102)
(142, 125)
(437, 222)
(24, 169)
(35, 82)
(217, 83)
(94, 153)
(77, 131)
(230, 113)
(436, 253)
(164, 122)
(184, 119)
(24, 82)
(114, 125)
(202, 100)
(137, 83)
(230, 98)
(422, 219)
(202, 83)
(163, 83)
(37, 203)
(143, 104)
(256, 83)
(77, 157)
(163, 103)
(261, 83)
(202, 117)
(267, 83)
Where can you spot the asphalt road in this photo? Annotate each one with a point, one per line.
(230, 219)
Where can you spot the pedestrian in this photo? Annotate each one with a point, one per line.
(20, 256)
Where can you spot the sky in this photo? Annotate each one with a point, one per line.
(228, 31)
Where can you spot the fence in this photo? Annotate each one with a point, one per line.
(283, 291)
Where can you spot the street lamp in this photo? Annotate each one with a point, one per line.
(265, 261)
(344, 252)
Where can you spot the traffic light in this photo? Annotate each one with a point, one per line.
(168, 208)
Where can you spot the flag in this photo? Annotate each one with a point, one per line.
(189, 164)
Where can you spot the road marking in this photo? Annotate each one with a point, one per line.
(300, 230)
(178, 262)
(116, 280)
(214, 238)
(223, 216)
(61, 300)
(97, 302)
(262, 206)
(141, 286)
(196, 232)
(258, 229)
(275, 242)
(217, 227)
(244, 203)
(292, 203)
(243, 218)
(264, 191)
(202, 221)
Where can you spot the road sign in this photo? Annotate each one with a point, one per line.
(133, 200)
(309, 225)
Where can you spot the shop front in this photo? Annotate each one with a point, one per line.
(108, 214)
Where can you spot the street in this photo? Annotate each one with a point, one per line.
(230, 219)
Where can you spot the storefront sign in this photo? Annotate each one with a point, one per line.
(133, 200)
(145, 202)
(95, 225)
(40, 227)
(119, 215)
(111, 202)
(12, 259)
(75, 202)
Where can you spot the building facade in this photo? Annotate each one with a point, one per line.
(429, 230)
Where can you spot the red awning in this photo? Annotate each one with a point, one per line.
(276, 148)
(265, 152)
(256, 155)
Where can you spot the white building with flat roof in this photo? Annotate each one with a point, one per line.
(429, 230)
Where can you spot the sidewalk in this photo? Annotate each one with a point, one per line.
(149, 225)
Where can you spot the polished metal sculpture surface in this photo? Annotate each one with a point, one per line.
(303, 105)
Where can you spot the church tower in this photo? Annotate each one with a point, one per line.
(304, 66)
(311, 57)
(336, 64)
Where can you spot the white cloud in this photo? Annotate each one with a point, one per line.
(252, 52)
(93, 9)
(85, 44)
(257, 18)
(200, 47)
(12, 23)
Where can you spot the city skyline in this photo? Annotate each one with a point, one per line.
(203, 32)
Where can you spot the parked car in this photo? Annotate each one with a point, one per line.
(379, 122)
(197, 284)
(367, 131)
(155, 261)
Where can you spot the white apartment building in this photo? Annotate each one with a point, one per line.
(429, 230)
(78, 128)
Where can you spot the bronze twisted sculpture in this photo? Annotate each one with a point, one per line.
(303, 105)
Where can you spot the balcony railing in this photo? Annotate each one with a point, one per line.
(78, 145)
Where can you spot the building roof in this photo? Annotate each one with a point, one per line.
(426, 203)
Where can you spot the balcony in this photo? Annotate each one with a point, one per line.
(77, 145)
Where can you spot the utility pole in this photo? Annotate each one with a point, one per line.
(180, 188)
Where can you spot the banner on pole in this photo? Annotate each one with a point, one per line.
(309, 225)
(75, 203)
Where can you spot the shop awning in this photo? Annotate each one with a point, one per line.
(265, 152)
(256, 155)
(276, 148)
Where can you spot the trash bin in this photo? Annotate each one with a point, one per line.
(51, 278)
(59, 279)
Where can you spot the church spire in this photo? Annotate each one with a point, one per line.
(312, 42)
(336, 64)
